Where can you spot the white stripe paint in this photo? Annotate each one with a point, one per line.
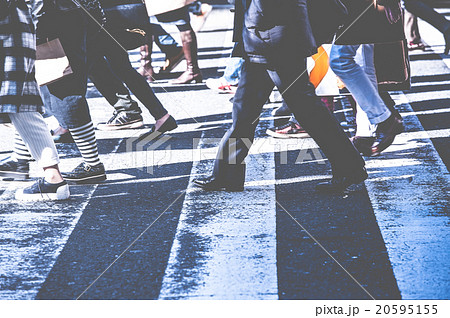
(32, 235)
(409, 191)
(224, 247)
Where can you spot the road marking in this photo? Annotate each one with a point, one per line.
(224, 247)
(409, 191)
(33, 235)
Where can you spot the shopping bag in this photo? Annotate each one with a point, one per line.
(320, 73)
(392, 66)
(52, 63)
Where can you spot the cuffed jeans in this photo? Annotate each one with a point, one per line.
(361, 81)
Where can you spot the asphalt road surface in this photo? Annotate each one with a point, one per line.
(147, 233)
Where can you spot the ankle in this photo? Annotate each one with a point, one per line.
(52, 175)
(161, 121)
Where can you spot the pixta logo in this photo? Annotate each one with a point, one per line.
(149, 151)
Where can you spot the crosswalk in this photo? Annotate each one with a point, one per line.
(147, 233)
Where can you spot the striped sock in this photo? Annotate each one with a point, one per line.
(86, 142)
(20, 150)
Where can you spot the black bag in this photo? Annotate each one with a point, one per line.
(392, 66)
(128, 23)
(326, 17)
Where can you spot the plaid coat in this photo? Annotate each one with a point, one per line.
(19, 91)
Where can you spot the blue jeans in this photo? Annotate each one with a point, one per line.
(232, 72)
(361, 81)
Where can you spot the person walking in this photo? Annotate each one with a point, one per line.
(177, 12)
(275, 38)
(412, 32)
(365, 26)
(424, 10)
(20, 103)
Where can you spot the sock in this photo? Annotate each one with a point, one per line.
(86, 142)
(20, 150)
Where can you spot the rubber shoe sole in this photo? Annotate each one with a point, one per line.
(286, 136)
(87, 180)
(132, 125)
(62, 193)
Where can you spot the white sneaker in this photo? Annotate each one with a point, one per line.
(221, 85)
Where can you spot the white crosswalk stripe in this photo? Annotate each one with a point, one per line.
(225, 245)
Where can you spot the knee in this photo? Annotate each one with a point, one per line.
(341, 64)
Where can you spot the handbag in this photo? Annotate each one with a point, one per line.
(52, 63)
(326, 17)
(128, 23)
(392, 66)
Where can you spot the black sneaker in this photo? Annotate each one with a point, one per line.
(122, 120)
(14, 169)
(42, 190)
(85, 173)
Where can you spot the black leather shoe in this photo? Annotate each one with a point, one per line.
(363, 144)
(340, 184)
(211, 184)
(168, 125)
(385, 135)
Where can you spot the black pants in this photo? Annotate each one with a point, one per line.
(254, 88)
(120, 65)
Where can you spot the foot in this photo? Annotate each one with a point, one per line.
(363, 144)
(342, 183)
(416, 46)
(168, 125)
(221, 86)
(85, 173)
(122, 120)
(189, 76)
(211, 184)
(385, 134)
(172, 62)
(14, 169)
(288, 130)
(61, 136)
(42, 190)
(147, 72)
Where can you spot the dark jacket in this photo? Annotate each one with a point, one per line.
(370, 27)
(60, 5)
(277, 30)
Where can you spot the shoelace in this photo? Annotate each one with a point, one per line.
(41, 180)
(113, 117)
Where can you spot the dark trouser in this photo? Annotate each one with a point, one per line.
(111, 87)
(69, 104)
(254, 88)
(424, 11)
(120, 64)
